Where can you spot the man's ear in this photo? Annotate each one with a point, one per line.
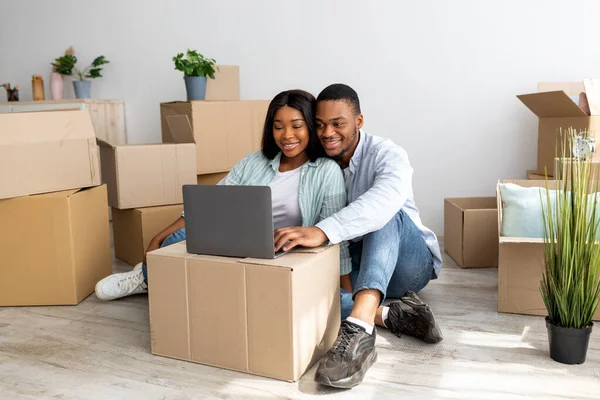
(359, 121)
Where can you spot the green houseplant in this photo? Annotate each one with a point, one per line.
(196, 69)
(66, 65)
(570, 283)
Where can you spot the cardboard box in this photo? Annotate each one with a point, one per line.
(470, 232)
(49, 151)
(533, 175)
(54, 247)
(224, 131)
(133, 229)
(557, 110)
(108, 116)
(211, 179)
(226, 85)
(274, 318)
(520, 266)
(150, 175)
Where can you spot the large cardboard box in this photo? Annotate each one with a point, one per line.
(151, 174)
(54, 247)
(226, 85)
(133, 229)
(557, 110)
(470, 232)
(49, 151)
(520, 266)
(224, 131)
(211, 179)
(274, 318)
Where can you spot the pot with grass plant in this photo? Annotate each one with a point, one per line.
(196, 69)
(570, 284)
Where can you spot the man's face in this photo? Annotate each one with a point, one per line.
(337, 128)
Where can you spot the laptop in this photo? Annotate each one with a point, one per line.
(234, 221)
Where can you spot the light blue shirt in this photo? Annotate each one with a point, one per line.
(379, 185)
(321, 194)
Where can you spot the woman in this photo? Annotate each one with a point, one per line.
(306, 187)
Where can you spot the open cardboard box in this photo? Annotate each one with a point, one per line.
(224, 131)
(557, 110)
(268, 317)
(150, 174)
(47, 151)
(520, 265)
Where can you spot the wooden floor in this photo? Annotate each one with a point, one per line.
(101, 350)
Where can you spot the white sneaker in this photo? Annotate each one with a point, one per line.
(116, 286)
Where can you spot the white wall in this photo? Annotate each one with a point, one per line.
(438, 77)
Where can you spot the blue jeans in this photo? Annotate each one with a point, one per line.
(175, 237)
(393, 260)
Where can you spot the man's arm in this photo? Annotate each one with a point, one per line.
(374, 208)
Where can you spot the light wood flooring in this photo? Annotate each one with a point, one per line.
(101, 350)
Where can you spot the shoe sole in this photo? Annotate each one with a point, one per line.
(353, 380)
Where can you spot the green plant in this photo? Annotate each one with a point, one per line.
(66, 64)
(195, 64)
(570, 282)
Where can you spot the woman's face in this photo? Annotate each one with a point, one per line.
(290, 131)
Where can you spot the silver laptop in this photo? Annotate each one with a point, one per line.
(235, 221)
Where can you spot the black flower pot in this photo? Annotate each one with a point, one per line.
(568, 345)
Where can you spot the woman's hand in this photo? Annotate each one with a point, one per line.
(153, 245)
(346, 283)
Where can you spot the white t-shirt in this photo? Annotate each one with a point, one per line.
(284, 197)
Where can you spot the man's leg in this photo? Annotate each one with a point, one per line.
(379, 256)
(119, 285)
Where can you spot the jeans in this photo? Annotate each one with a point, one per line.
(175, 237)
(393, 260)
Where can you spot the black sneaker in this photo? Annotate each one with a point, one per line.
(352, 354)
(410, 316)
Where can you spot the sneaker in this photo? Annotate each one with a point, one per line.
(116, 286)
(352, 354)
(410, 316)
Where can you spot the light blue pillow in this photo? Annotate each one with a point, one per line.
(522, 210)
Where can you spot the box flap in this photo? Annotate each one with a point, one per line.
(180, 128)
(103, 143)
(551, 104)
(473, 203)
(572, 89)
(592, 92)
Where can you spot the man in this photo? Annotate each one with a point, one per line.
(393, 254)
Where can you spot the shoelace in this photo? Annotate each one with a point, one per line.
(129, 278)
(348, 333)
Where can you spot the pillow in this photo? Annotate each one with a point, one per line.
(522, 210)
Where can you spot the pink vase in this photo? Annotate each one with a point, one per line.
(56, 86)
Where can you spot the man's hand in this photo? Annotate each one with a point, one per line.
(153, 245)
(299, 236)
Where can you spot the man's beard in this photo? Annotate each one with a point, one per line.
(340, 155)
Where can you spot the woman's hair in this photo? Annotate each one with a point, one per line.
(306, 104)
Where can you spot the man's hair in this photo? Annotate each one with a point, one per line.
(339, 91)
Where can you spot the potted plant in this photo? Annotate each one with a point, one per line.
(570, 284)
(196, 68)
(66, 65)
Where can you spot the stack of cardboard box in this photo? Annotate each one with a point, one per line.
(201, 141)
(473, 226)
(54, 229)
(521, 260)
